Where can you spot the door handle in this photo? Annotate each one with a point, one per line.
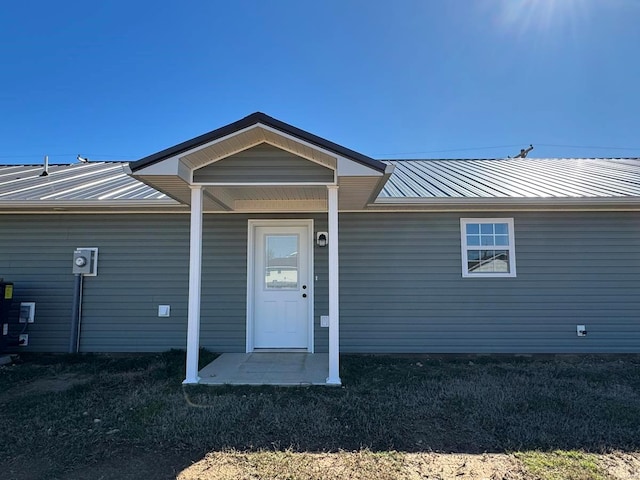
(304, 295)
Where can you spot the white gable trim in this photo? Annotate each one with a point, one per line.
(176, 165)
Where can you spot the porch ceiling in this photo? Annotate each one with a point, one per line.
(354, 194)
(264, 198)
(252, 137)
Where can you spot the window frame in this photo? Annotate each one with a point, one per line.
(511, 248)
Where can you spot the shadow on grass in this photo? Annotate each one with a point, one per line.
(132, 408)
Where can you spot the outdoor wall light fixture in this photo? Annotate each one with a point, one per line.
(322, 239)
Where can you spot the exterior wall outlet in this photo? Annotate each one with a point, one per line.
(27, 312)
(581, 330)
(324, 321)
(23, 340)
(164, 310)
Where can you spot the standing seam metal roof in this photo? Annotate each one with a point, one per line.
(514, 178)
(412, 179)
(82, 181)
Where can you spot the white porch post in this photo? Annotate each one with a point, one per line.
(195, 280)
(334, 290)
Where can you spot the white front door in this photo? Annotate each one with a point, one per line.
(281, 286)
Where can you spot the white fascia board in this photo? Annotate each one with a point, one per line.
(574, 201)
(218, 140)
(301, 142)
(202, 147)
(250, 145)
(504, 205)
(338, 158)
(350, 168)
(264, 184)
(93, 211)
(68, 205)
(169, 166)
(269, 129)
(184, 172)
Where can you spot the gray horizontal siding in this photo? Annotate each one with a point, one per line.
(263, 164)
(143, 263)
(402, 272)
(400, 279)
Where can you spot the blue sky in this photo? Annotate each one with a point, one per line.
(120, 80)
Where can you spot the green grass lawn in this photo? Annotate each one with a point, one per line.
(95, 416)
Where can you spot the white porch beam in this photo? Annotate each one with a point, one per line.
(334, 290)
(195, 281)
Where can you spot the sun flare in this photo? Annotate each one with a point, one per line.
(542, 16)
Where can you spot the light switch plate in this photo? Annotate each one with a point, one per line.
(324, 320)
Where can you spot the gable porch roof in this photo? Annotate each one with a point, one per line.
(258, 182)
(249, 121)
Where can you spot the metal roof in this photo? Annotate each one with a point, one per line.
(104, 182)
(514, 178)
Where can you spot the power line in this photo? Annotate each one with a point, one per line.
(50, 155)
(587, 146)
(423, 152)
(447, 150)
(506, 146)
(39, 155)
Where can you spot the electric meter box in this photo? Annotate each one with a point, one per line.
(85, 261)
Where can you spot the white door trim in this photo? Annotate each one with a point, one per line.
(251, 235)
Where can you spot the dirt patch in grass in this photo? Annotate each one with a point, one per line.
(362, 465)
(621, 465)
(55, 384)
(291, 465)
(488, 466)
(366, 465)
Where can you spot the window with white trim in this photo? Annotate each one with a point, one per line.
(488, 247)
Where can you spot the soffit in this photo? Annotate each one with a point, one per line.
(353, 194)
(251, 137)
